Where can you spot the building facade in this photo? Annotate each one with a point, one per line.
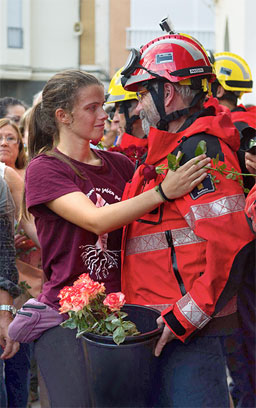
(37, 39)
(41, 37)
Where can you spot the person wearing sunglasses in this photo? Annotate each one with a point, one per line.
(130, 129)
(187, 258)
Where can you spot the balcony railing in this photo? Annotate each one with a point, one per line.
(135, 37)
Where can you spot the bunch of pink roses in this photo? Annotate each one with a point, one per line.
(90, 310)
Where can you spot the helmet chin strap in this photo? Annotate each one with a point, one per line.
(124, 108)
(158, 98)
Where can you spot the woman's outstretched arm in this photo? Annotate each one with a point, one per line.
(80, 210)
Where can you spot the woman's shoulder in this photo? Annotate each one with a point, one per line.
(43, 161)
(117, 157)
(120, 162)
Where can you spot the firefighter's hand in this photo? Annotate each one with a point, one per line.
(250, 162)
(186, 177)
(166, 336)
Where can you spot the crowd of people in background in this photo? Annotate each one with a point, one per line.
(73, 183)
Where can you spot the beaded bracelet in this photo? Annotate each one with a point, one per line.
(160, 191)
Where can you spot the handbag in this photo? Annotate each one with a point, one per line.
(32, 320)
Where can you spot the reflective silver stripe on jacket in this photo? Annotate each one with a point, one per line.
(157, 241)
(192, 312)
(160, 307)
(223, 206)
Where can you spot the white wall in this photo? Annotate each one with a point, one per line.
(50, 42)
(54, 44)
(195, 17)
(242, 35)
(185, 14)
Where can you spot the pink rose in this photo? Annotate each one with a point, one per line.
(85, 284)
(65, 296)
(85, 277)
(79, 302)
(114, 301)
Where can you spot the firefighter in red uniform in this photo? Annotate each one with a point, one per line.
(186, 259)
(234, 79)
(131, 132)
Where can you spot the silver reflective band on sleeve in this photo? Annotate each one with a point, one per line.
(158, 241)
(192, 312)
(218, 208)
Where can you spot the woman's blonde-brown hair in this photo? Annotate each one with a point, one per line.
(21, 160)
(59, 92)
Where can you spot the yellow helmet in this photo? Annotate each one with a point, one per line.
(233, 72)
(116, 93)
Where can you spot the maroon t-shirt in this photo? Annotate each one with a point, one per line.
(68, 250)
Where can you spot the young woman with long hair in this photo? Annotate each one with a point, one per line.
(74, 193)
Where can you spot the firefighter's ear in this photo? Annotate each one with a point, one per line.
(220, 91)
(168, 94)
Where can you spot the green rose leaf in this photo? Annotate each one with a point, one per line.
(119, 335)
(223, 167)
(122, 315)
(172, 162)
(201, 148)
(110, 326)
(129, 326)
(116, 322)
(69, 324)
(110, 317)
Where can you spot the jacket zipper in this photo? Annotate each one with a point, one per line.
(168, 235)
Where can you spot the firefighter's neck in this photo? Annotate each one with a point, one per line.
(175, 125)
(230, 105)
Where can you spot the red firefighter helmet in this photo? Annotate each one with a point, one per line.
(174, 57)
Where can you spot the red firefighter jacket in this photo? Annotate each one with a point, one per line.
(128, 140)
(243, 114)
(250, 207)
(241, 117)
(187, 256)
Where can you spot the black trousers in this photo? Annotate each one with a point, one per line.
(62, 366)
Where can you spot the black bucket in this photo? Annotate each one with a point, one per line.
(124, 375)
